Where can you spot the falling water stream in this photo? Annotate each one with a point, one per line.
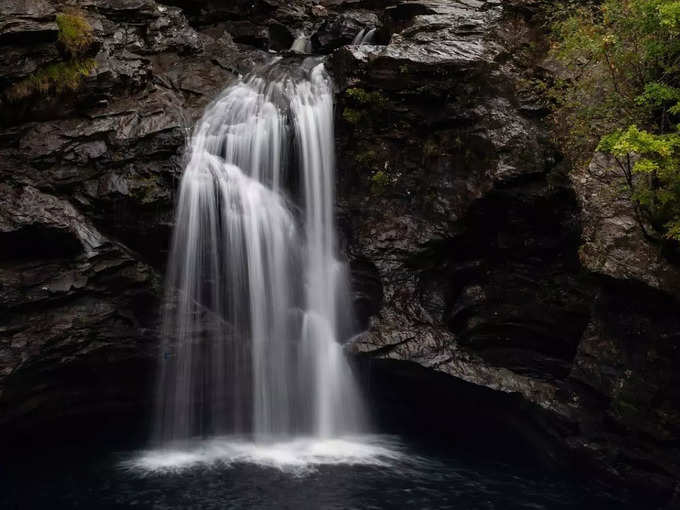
(257, 406)
(364, 36)
(258, 299)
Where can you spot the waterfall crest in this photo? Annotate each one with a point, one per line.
(257, 297)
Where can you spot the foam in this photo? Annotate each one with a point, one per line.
(295, 455)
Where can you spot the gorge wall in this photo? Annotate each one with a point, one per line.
(475, 251)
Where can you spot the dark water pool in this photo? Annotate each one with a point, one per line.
(367, 472)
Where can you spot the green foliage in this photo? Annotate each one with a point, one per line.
(650, 163)
(75, 38)
(361, 96)
(659, 95)
(351, 115)
(621, 95)
(379, 181)
(56, 78)
(380, 178)
(362, 103)
(366, 158)
(75, 33)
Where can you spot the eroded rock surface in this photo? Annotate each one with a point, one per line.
(88, 180)
(493, 265)
(615, 243)
(474, 253)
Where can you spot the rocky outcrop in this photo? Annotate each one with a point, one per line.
(614, 240)
(484, 258)
(70, 297)
(454, 195)
(626, 354)
(87, 197)
(476, 257)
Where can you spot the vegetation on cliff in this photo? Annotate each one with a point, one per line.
(56, 78)
(75, 40)
(621, 95)
(75, 33)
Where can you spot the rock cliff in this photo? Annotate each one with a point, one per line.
(475, 251)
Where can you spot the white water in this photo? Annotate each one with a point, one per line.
(257, 297)
(364, 36)
(298, 456)
(301, 44)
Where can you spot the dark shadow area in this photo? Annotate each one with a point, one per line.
(98, 404)
(39, 242)
(92, 404)
(482, 445)
(448, 414)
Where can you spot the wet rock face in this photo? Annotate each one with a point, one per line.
(628, 388)
(615, 244)
(494, 265)
(88, 180)
(28, 21)
(454, 194)
(342, 29)
(474, 252)
(625, 357)
(70, 296)
(114, 147)
(28, 31)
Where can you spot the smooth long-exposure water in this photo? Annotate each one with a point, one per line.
(258, 298)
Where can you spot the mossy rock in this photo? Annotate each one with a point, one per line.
(379, 182)
(361, 96)
(352, 116)
(55, 78)
(75, 33)
(76, 38)
(366, 158)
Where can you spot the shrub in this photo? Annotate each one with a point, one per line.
(621, 95)
(75, 33)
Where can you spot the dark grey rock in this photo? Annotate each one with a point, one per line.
(27, 21)
(453, 193)
(340, 30)
(462, 227)
(614, 241)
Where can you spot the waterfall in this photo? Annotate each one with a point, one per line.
(257, 299)
(364, 36)
(301, 44)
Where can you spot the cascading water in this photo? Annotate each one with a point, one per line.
(364, 36)
(301, 44)
(257, 297)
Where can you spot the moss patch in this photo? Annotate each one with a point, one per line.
(366, 158)
(55, 78)
(75, 33)
(364, 97)
(351, 115)
(380, 178)
(76, 38)
(379, 182)
(362, 105)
